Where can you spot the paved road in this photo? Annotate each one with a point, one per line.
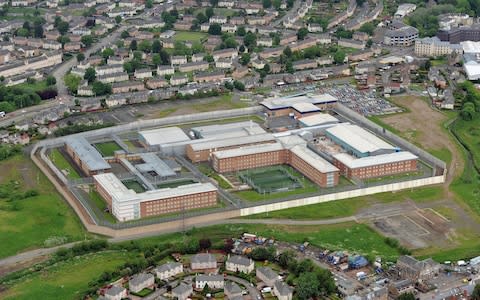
(251, 289)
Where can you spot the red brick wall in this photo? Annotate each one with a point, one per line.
(178, 204)
(378, 170)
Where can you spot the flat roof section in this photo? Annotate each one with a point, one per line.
(358, 138)
(229, 130)
(153, 163)
(318, 119)
(87, 154)
(314, 160)
(165, 135)
(353, 163)
(288, 102)
(305, 107)
(228, 142)
(249, 150)
(120, 193)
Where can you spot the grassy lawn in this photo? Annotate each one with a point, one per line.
(37, 221)
(378, 120)
(190, 36)
(98, 201)
(63, 164)
(134, 185)
(34, 87)
(469, 133)
(130, 145)
(224, 102)
(107, 148)
(443, 154)
(66, 280)
(208, 171)
(166, 112)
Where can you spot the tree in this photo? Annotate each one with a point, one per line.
(285, 258)
(145, 46)
(368, 28)
(476, 293)
(156, 59)
(245, 59)
(287, 52)
(100, 89)
(289, 67)
(239, 85)
(38, 30)
(133, 45)
(343, 33)
(267, 3)
(108, 52)
(125, 34)
(228, 85)
(208, 58)
(468, 111)
(80, 57)
(90, 75)
(209, 12)
(87, 40)
(307, 286)
(250, 40)
(204, 244)
(241, 31)
(229, 42)
(277, 4)
(215, 29)
(23, 32)
(26, 25)
(63, 27)
(201, 18)
(339, 57)
(72, 81)
(156, 46)
(406, 296)
(148, 4)
(290, 3)
(63, 40)
(302, 33)
(51, 80)
(118, 19)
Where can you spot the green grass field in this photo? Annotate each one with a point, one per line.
(97, 200)
(63, 164)
(190, 36)
(469, 133)
(134, 185)
(270, 179)
(37, 219)
(107, 148)
(66, 280)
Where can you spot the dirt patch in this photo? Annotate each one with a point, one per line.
(423, 126)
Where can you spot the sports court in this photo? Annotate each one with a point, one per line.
(270, 180)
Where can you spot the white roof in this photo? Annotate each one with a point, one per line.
(313, 159)
(286, 102)
(354, 163)
(472, 68)
(229, 130)
(359, 138)
(291, 140)
(228, 142)
(318, 119)
(303, 107)
(165, 135)
(249, 150)
(470, 47)
(120, 193)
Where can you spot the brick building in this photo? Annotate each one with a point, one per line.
(85, 156)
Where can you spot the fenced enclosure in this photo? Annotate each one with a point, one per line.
(270, 180)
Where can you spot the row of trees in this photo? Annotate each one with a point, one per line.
(469, 96)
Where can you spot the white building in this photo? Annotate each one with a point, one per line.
(203, 261)
(434, 47)
(140, 281)
(239, 263)
(213, 281)
(405, 9)
(168, 270)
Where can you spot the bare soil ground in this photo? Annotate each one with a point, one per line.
(423, 126)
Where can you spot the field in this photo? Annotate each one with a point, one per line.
(63, 164)
(107, 148)
(66, 280)
(469, 133)
(97, 200)
(270, 180)
(37, 221)
(134, 185)
(190, 36)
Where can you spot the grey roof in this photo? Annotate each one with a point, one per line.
(140, 278)
(181, 289)
(87, 154)
(114, 290)
(282, 288)
(167, 267)
(227, 142)
(239, 260)
(267, 272)
(153, 163)
(229, 130)
(203, 258)
(203, 277)
(415, 264)
(232, 288)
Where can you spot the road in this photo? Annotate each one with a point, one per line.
(251, 289)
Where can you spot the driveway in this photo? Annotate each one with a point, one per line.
(254, 293)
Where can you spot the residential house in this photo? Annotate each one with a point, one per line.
(217, 20)
(203, 261)
(213, 281)
(237, 20)
(84, 89)
(265, 41)
(348, 43)
(183, 25)
(168, 270)
(239, 263)
(360, 55)
(360, 36)
(116, 100)
(167, 34)
(194, 66)
(225, 53)
(304, 64)
(168, 43)
(312, 27)
(178, 80)
(115, 60)
(127, 86)
(258, 64)
(143, 73)
(240, 72)
(51, 45)
(271, 52)
(287, 39)
(115, 293)
(267, 275)
(302, 45)
(198, 57)
(397, 288)
(165, 70)
(178, 60)
(108, 69)
(282, 290)
(216, 76)
(4, 56)
(141, 281)
(232, 290)
(230, 28)
(156, 83)
(111, 78)
(182, 291)
(223, 63)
